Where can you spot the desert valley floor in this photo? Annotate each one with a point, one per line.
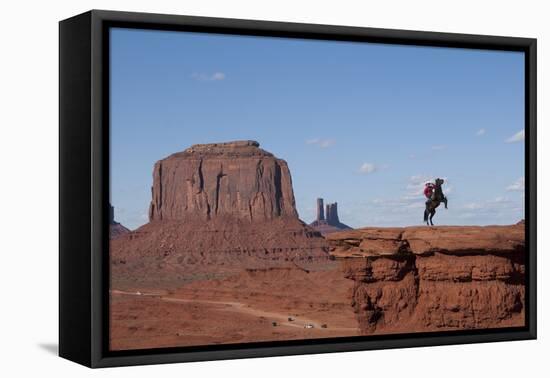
(255, 305)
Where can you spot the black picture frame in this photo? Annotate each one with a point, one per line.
(84, 186)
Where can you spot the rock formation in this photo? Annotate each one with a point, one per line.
(434, 278)
(330, 223)
(320, 210)
(212, 180)
(217, 208)
(332, 213)
(115, 228)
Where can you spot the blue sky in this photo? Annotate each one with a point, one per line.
(364, 125)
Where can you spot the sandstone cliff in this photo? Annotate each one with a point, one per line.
(212, 180)
(440, 278)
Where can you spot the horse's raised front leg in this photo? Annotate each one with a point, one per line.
(445, 202)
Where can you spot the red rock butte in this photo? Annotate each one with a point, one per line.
(217, 208)
(206, 181)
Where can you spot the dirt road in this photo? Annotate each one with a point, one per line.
(281, 319)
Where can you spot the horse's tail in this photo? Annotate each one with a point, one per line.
(426, 215)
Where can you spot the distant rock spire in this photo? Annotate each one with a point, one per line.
(327, 218)
(320, 210)
(111, 214)
(332, 213)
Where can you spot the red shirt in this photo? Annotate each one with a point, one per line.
(428, 190)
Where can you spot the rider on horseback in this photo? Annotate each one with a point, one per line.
(435, 196)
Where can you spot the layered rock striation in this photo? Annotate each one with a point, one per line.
(439, 278)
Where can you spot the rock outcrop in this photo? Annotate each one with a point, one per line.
(212, 180)
(115, 228)
(216, 209)
(434, 278)
(330, 223)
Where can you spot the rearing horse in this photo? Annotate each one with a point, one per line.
(434, 202)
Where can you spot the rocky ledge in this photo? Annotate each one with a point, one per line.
(425, 279)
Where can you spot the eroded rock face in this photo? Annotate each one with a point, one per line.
(211, 180)
(440, 278)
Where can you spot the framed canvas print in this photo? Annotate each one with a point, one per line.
(234, 188)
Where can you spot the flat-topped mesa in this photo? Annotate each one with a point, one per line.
(233, 179)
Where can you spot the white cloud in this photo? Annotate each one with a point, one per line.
(322, 143)
(416, 205)
(439, 147)
(216, 76)
(367, 168)
(473, 206)
(517, 137)
(494, 205)
(481, 132)
(517, 186)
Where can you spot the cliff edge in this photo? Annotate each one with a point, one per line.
(434, 278)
